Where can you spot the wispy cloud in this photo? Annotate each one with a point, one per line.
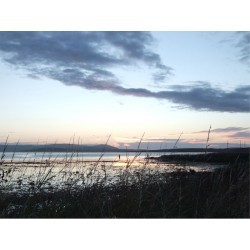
(244, 135)
(87, 59)
(225, 130)
(229, 129)
(243, 46)
(218, 135)
(230, 133)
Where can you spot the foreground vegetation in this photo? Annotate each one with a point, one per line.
(223, 193)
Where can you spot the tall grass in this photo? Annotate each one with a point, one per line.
(208, 136)
(83, 190)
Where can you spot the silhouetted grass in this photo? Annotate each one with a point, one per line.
(223, 193)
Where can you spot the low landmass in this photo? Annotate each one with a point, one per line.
(224, 156)
(106, 148)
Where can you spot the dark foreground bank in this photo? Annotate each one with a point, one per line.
(223, 193)
(228, 157)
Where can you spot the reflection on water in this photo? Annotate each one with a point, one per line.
(52, 171)
(83, 156)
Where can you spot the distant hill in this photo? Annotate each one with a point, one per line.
(59, 148)
(104, 148)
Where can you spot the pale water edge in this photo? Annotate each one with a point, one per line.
(84, 156)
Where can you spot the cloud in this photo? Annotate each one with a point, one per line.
(243, 45)
(198, 97)
(88, 54)
(87, 59)
(241, 135)
(230, 133)
(224, 130)
(229, 129)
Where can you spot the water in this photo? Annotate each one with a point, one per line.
(81, 156)
(27, 171)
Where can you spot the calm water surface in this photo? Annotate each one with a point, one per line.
(27, 171)
(89, 156)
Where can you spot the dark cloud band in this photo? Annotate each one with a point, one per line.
(86, 59)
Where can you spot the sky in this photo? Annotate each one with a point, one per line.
(158, 86)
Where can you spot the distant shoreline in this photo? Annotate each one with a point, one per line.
(64, 148)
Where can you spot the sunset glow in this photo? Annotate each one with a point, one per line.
(57, 86)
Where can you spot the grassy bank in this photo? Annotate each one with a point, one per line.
(224, 157)
(223, 193)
